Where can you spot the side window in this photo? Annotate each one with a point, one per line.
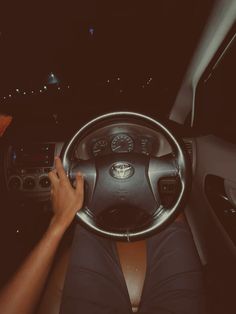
(216, 99)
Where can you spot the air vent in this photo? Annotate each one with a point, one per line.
(188, 147)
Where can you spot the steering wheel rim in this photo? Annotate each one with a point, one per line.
(163, 216)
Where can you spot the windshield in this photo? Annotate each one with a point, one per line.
(96, 55)
(216, 99)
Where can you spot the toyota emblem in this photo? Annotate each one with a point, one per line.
(122, 170)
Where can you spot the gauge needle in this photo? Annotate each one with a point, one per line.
(116, 148)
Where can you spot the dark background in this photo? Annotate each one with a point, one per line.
(132, 40)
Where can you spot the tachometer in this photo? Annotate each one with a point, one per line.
(122, 143)
(99, 147)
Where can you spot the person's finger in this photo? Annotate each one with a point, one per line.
(53, 177)
(51, 194)
(60, 170)
(79, 184)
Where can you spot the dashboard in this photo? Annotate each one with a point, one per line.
(26, 167)
(27, 163)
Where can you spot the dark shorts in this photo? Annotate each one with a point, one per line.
(173, 283)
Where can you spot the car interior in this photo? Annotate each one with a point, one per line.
(140, 98)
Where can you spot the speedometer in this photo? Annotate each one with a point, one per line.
(122, 143)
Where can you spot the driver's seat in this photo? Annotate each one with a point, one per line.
(133, 263)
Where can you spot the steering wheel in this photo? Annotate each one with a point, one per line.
(124, 183)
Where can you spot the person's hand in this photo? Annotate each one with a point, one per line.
(66, 200)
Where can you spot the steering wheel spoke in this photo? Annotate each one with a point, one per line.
(162, 167)
(88, 169)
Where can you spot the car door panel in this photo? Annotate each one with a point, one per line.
(211, 213)
(218, 158)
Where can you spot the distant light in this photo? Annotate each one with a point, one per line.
(68, 86)
(4, 97)
(143, 86)
(121, 90)
(17, 90)
(45, 87)
(52, 79)
(59, 88)
(91, 31)
(17, 231)
(40, 90)
(118, 78)
(108, 81)
(24, 93)
(32, 92)
(9, 95)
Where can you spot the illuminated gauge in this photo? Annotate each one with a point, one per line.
(146, 146)
(122, 143)
(99, 147)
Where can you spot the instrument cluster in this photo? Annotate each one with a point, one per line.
(122, 143)
(118, 138)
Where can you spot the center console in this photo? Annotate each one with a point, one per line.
(26, 168)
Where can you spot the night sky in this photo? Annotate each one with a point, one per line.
(108, 52)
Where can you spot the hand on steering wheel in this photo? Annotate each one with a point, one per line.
(66, 200)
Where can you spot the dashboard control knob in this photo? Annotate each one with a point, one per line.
(44, 182)
(14, 183)
(29, 183)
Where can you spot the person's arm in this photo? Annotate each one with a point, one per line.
(23, 291)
